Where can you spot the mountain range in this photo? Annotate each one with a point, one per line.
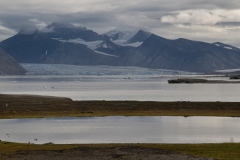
(61, 43)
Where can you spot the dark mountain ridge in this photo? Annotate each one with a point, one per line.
(183, 54)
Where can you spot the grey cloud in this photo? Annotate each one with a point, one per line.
(105, 15)
(213, 4)
(19, 21)
(228, 24)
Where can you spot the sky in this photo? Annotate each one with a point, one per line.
(200, 20)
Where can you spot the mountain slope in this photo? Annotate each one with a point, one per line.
(77, 54)
(8, 66)
(183, 54)
(29, 48)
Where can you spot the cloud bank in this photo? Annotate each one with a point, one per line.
(202, 20)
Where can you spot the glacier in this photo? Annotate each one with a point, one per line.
(63, 69)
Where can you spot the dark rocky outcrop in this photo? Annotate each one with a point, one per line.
(189, 80)
(235, 77)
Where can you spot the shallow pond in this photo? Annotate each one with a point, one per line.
(122, 130)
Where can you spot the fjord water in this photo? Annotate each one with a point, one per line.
(122, 130)
(128, 87)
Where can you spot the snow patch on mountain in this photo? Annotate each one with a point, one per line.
(122, 35)
(124, 43)
(106, 54)
(105, 45)
(228, 47)
(90, 44)
(136, 44)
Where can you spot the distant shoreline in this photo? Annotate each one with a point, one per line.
(30, 106)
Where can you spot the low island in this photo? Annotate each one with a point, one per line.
(191, 80)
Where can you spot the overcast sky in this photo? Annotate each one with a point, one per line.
(202, 20)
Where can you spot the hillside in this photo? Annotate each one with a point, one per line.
(8, 66)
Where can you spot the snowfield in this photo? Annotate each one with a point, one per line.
(62, 69)
(124, 43)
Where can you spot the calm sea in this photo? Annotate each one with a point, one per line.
(140, 88)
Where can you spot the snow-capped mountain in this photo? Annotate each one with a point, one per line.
(68, 44)
(128, 38)
(102, 44)
(121, 37)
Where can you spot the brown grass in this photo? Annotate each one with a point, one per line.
(26, 106)
(224, 151)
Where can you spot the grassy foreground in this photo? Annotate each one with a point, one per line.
(26, 106)
(225, 151)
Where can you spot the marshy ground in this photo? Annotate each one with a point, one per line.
(27, 106)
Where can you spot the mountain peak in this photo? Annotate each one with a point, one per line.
(140, 36)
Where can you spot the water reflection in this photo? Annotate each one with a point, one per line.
(122, 130)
